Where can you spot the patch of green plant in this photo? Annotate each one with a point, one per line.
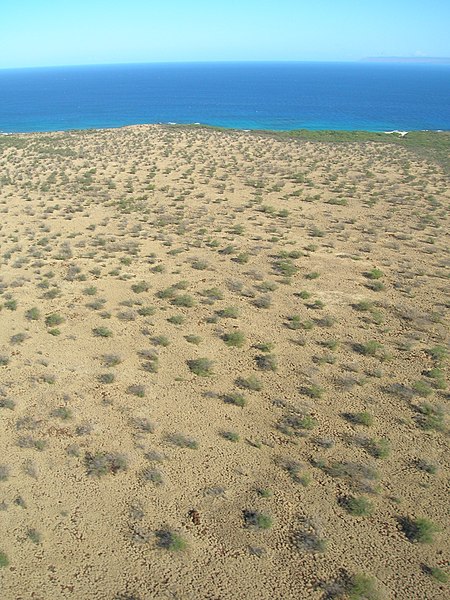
(231, 436)
(182, 441)
(193, 339)
(4, 561)
(358, 506)
(236, 399)
(104, 463)
(250, 383)
(170, 540)
(102, 332)
(362, 587)
(419, 530)
(438, 574)
(203, 367)
(257, 520)
(431, 417)
(33, 314)
(235, 339)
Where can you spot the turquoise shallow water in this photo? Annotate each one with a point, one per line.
(281, 96)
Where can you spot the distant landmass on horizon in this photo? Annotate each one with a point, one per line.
(409, 59)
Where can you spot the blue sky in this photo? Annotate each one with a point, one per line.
(64, 32)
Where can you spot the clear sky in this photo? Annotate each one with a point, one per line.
(74, 32)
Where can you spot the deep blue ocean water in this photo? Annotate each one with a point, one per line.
(366, 96)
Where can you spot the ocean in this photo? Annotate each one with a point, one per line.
(280, 96)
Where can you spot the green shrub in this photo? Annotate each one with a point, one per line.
(314, 391)
(140, 287)
(229, 312)
(4, 561)
(358, 506)
(184, 301)
(201, 366)
(362, 587)
(182, 441)
(236, 399)
(431, 417)
(250, 383)
(33, 314)
(103, 463)
(102, 332)
(363, 418)
(176, 319)
(438, 574)
(257, 520)
(170, 540)
(374, 274)
(419, 530)
(235, 339)
(267, 362)
(231, 436)
(146, 311)
(193, 339)
(54, 319)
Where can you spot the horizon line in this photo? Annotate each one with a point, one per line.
(421, 59)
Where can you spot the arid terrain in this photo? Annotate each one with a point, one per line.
(222, 367)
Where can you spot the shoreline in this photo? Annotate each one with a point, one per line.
(203, 126)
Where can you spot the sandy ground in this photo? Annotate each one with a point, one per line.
(126, 254)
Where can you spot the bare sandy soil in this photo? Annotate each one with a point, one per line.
(306, 455)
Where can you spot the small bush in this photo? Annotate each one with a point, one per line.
(267, 362)
(201, 367)
(102, 332)
(111, 360)
(104, 463)
(257, 520)
(63, 412)
(4, 561)
(182, 441)
(370, 348)
(176, 319)
(106, 378)
(236, 399)
(438, 574)
(313, 391)
(54, 319)
(140, 287)
(419, 530)
(358, 506)
(229, 312)
(136, 390)
(431, 417)
(374, 274)
(231, 436)
(250, 383)
(193, 339)
(34, 536)
(33, 314)
(184, 301)
(170, 540)
(161, 340)
(146, 311)
(362, 587)
(379, 448)
(235, 339)
(152, 475)
(362, 418)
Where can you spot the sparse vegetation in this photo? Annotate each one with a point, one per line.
(229, 343)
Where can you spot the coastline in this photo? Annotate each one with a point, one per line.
(432, 145)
